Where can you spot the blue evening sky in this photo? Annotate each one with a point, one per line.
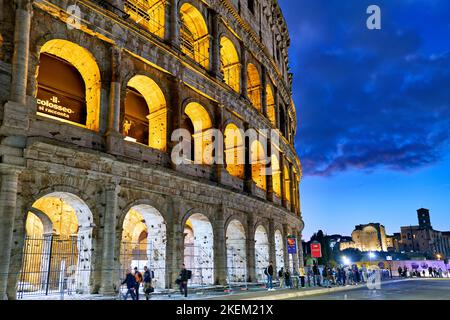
(373, 110)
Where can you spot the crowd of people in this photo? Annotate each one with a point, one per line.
(327, 276)
(430, 273)
(135, 280)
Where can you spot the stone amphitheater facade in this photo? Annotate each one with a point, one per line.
(83, 175)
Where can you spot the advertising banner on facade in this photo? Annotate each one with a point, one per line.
(316, 250)
(292, 245)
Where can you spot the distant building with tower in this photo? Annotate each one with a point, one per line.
(424, 239)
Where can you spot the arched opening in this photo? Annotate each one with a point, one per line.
(254, 86)
(287, 184)
(261, 252)
(57, 247)
(258, 162)
(234, 151)
(194, 35)
(236, 252)
(199, 249)
(199, 123)
(145, 119)
(295, 188)
(144, 243)
(276, 176)
(230, 64)
(72, 94)
(271, 114)
(279, 249)
(148, 13)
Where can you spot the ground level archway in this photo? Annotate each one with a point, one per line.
(144, 241)
(199, 249)
(261, 252)
(57, 249)
(236, 252)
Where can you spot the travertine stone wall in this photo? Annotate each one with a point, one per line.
(110, 176)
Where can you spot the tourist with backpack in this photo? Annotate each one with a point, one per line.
(139, 279)
(183, 278)
(148, 289)
(269, 274)
(287, 279)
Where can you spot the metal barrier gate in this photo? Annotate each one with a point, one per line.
(53, 265)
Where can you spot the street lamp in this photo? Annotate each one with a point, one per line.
(371, 256)
(346, 260)
(438, 256)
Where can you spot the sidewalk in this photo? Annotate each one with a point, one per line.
(255, 292)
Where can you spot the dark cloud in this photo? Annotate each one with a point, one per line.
(370, 99)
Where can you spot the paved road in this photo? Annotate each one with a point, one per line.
(408, 290)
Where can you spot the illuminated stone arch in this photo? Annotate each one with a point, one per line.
(230, 64)
(148, 13)
(85, 63)
(279, 249)
(254, 86)
(144, 241)
(145, 113)
(276, 175)
(287, 184)
(261, 251)
(271, 112)
(234, 151)
(236, 251)
(59, 237)
(258, 162)
(199, 248)
(194, 35)
(202, 135)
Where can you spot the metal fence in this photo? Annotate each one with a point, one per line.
(150, 16)
(52, 265)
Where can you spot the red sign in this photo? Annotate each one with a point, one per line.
(316, 250)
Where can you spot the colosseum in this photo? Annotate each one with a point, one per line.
(92, 94)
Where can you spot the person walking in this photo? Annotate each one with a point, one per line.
(287, 279)
(139, 279)
(269, 274)
(148, 289)
(364, 273)
(183, 278)
(325, 278)
(281, 277)
(316, 273)
(130, 281)
(400, 271)
(350, 278)
(301, 273)
(310, 277)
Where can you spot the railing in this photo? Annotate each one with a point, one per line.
(196, 49)
(149, 15)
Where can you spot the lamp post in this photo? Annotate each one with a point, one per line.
(371, 256)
